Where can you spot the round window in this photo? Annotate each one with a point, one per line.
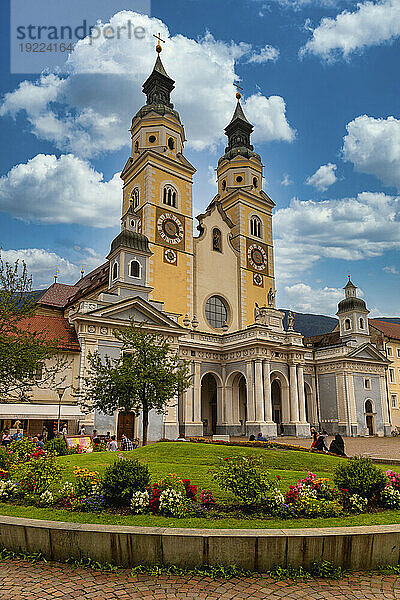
(239, 179)
(152, 139)
(216, 312)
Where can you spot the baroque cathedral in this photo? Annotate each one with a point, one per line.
(213, 297)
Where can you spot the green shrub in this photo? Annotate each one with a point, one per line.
(21, 449)
(38, 474)
(121, 479)
(57, 446)
(360, 476)
(245, 477)
(311, 507)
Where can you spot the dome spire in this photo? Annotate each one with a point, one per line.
(159, 85)
(238, 131)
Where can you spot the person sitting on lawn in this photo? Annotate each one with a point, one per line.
(127, 444)
(261, 438)
(337, 445)
(112, 445)
(320, 443)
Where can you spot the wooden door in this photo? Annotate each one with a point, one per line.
(126, 425)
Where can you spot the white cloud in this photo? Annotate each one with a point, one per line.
(301, 297)
(269, 118)
(348, 229)
(212, 176)
(323, 177)
(372, 24)
(268, 53)
(373, 146)
(391, 269)
(88, 111)
(42, 265)
(300, 4)
(286, 180)
(61, 190)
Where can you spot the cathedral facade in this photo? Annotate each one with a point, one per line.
(213, 297)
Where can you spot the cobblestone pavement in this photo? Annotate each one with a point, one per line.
(53, 581)
(387, 447)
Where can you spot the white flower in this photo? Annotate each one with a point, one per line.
(8, 489)
(171, 502)
(46, 498)
(68, 488)
(357, 503)
(391, 497)
(140, 502)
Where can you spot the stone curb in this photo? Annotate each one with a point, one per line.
(356, 548)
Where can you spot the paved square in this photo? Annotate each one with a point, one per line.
(48, 581)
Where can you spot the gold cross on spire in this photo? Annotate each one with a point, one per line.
(237, 86)
(159, 40)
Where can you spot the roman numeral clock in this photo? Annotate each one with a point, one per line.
(170, 233)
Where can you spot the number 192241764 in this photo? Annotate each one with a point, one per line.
(45, 47)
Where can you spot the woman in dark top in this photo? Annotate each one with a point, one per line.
(320, 443)
(314, 434)
(337, 446)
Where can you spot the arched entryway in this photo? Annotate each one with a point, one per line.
(308, 402)
(126, 425)
(276, 402)
(236, 402)
(209, 402)
(370, 417)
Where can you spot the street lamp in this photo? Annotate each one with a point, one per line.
(60, 392)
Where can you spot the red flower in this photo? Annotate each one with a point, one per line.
(278, 477)
(226, 458)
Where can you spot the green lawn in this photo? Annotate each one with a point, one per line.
(194, 461)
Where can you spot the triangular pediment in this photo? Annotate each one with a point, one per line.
(368, 352)
(137, 308)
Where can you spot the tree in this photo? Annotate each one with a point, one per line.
(24, 353)
(146, 376)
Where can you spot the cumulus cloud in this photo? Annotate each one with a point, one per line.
(391, 269)
(301, 297)
(348, 229)
(286, 180)
(323, 177)
(373, 146)
(61, 190)
(266, 54)
(88, 110)
(372, 24)
(42, 265)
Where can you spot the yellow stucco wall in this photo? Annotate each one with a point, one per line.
(394, 388)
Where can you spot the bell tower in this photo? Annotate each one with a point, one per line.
(158, 184)
(240, 194)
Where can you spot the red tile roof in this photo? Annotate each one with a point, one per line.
(53, 328)
(57, 295)
(390, 330)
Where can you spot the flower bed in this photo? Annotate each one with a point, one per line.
(32, 477)
(256, 444)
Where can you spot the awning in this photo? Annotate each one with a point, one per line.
(40, 411)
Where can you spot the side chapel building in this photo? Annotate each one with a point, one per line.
(213, 297)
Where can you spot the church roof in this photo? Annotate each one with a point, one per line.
(350, 284)
(57, 295)
(351, 303)
(390, 330)
(53, 327)
(131, 239)
(239, 114)
(159, 67)
(326, 339)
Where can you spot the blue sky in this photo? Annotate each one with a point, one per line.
(320, 86)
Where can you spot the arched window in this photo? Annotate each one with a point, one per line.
(361, 323)
(115, 271)
(137, 146)
(169, 196)
(347, 324)
(134, 268)
(134, 199)
(224, 185)
(217, 240)
(171, 143)
(368, 406)
(255, 182)
(255, 226)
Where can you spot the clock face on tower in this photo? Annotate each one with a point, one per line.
(170, 228)
(257, 257)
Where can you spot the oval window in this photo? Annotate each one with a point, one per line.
(216, 311)
(152, 139)
(239, 179)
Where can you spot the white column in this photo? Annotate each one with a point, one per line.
(294, 397)
(250, 394)
(259, 391)
(197, 393)
(188, 405)
(384, 401)
(267, 392)
(302, 400)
